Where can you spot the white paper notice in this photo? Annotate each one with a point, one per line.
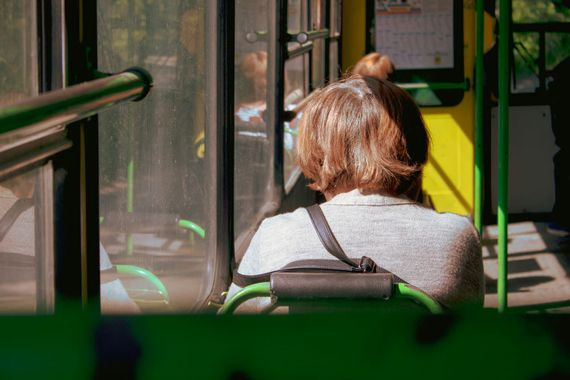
(416, 34)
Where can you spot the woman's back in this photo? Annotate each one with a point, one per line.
(439, 253)
(364, 135)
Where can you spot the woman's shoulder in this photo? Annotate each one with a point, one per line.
(449, 226)
(294, 220)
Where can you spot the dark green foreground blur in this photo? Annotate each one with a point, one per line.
(285, 347)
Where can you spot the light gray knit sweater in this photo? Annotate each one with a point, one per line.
(437, 252)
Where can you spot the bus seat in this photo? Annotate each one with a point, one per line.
(322, 292)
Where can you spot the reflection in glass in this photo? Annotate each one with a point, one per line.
(334, 69)
(525, 47)
(253, 180)
(154, 202)
(296, 19)
(296, 89)
(26, 243)
(318, 12)
(18, 51)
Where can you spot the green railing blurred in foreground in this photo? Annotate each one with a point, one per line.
(334, 346)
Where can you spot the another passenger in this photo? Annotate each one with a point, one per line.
(374, 65)
(561, 127)
(363, 144)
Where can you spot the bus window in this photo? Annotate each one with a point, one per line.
(154, 202)
(18, 51)
(334, 26)
(26, 218)
(254, 148)
(26, 242)
(296, 89)
(318, 12)
(539, 43)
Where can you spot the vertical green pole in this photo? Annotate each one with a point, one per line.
(502, 212)
(131, 164)
(130, 195)
(479, 154)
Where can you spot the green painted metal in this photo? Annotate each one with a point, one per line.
(406, 291)
(479, 153)
(189, 225)
(261, 289)
(435, 85)
(130, 200)
(75, 102)
(503, 188)
(147, 275)
(319, 346)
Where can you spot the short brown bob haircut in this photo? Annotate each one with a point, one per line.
(364, 133)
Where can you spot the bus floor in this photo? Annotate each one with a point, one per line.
(538, 266)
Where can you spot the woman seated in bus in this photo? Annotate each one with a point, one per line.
(363, 143)
(374, 65)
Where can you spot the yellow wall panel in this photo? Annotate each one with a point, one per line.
(448, 177)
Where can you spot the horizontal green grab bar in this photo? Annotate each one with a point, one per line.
(76, 102)
(263, 289)
(189, 225)
(465, 85)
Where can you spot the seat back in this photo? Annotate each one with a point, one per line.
(336, 292)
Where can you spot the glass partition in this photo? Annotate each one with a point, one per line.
(154, 200)
(26, 217)
(18, 51)
(318, 13)
(253, 179)
(335, 30)
(296, 89)
(296, 19)
(26, 242)
(334, 66)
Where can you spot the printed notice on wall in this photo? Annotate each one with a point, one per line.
(416, 34)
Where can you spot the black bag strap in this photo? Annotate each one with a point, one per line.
(326, 236)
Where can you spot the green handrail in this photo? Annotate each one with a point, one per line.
(76, 102)
(263, 289)
(503, 188)
(479, 153)
(189, 225)
(147, 275)
(436, 85)
(407, 291)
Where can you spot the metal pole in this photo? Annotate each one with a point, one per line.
(502, 212)
(479, 153)
(74, 103)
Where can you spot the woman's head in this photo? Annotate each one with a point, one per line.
(362, 133)
(253, 68)
(374, 65)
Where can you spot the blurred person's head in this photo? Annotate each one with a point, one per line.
(253, 70)
(365, 133)
(374, 65)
